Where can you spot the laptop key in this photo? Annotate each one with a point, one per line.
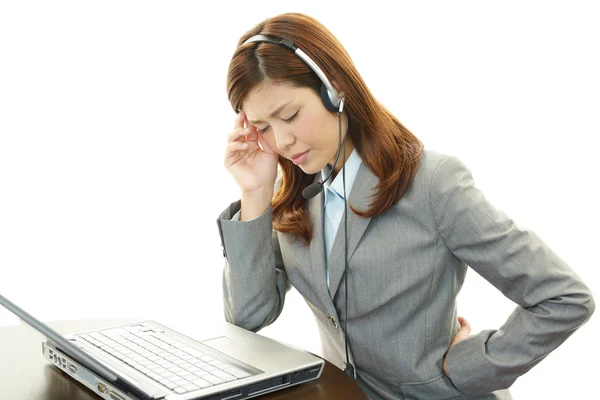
(164, 381)
(179, 390)
(186, 365)
(201, 373)
(224, 375)
(218, 364)
(113, 332)
(212, 379)
(193, 352)
(189, 387)
(201, 383)
(171, 385)
(186, 375)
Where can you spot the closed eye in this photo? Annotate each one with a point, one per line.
(290, 119)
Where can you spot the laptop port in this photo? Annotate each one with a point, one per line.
(267, 385)
(231, 395)
(73, 368)
(102, 388)
(116, 396)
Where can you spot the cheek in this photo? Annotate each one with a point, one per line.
(270, 141)
(307, 132)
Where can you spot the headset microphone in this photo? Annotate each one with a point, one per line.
(311, 191)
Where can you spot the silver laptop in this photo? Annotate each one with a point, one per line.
(146, 360)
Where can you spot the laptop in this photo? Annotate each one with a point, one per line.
(146, 361)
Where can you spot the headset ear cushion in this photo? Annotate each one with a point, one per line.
(326, 100)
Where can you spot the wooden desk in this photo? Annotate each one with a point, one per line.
(26, 375)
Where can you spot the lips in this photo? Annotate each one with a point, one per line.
(300, 158)
(297, 156)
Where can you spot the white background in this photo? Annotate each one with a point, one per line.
(114, 116)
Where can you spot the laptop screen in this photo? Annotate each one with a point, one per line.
(73, 351)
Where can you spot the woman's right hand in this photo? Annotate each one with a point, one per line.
(252, 168)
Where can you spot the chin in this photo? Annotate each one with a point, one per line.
(310, 169)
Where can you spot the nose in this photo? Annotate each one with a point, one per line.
(283, 138)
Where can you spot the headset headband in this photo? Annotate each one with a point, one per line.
(333, 98)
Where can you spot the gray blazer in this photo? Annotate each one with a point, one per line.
(406, 268)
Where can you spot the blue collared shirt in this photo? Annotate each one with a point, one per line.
(333, 204)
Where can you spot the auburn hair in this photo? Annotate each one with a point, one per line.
(386, 146)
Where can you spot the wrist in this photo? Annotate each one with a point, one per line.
(254, 203)
(258, 193)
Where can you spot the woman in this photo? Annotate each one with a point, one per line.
(383, 291)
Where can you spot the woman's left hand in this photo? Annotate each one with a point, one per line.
(462, 334)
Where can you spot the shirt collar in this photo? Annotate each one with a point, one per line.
(351, 166)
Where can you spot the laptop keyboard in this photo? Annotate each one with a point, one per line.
(163, 358)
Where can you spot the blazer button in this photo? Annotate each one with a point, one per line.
(333, 321)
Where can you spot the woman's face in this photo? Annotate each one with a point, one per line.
(293, 122)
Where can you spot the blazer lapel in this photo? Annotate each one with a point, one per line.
(362, 189)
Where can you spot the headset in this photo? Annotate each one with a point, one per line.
(335, 103)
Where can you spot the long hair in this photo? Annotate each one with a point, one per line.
(386, 147)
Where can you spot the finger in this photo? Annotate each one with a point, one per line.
(460, 336)
(239, 120)
(463, 332)
(253, 134)
(467, 327)
(238, 134)
(235, 152)
(234, 147)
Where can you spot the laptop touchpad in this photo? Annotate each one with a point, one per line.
(226, 345)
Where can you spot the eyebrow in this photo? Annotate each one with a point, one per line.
(275, 112)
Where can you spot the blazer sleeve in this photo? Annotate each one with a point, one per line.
(552, 300)
(254, 278)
